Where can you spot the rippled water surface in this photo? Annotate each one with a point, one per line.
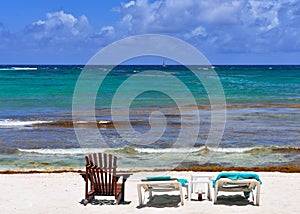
(262, 126)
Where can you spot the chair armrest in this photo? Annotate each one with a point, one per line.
(120, 179)
(124, 176)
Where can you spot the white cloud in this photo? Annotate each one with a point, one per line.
(197, 32)
(127, 23)
(226, 25)
(106, 31)
(220, 26)
(263, 14)
(59, 26)
(173, 16)
(129, 4)
(63, 31)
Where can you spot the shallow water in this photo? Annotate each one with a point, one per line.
(262, 125)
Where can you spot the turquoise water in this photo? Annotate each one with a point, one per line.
(262, 127)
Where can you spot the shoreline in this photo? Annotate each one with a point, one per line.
(283, 169)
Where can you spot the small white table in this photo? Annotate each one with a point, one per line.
(200, 179)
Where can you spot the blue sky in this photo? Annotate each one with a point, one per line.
(225, 31)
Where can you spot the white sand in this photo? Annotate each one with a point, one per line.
(61, 193)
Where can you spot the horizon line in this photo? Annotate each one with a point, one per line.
(70, 64)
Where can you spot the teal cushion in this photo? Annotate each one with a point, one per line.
(237, 176)
(158, 178)
(182, 181)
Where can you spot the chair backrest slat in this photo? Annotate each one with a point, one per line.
(110, 174)
(102, 173)
(114, 174)
(98, 182)
(95, 159)
(93, 176)
(90, 158)
(105, 172)
(100, 160)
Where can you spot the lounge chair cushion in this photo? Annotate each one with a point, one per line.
(158, 178)
(237, 176)
(182, 181)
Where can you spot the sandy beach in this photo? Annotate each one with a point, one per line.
(63, 192)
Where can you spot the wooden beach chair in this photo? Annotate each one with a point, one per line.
(101, 178)
(237, 182)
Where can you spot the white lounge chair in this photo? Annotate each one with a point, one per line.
(159, 186)
(237, 182)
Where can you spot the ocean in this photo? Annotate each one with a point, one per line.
(36, 125)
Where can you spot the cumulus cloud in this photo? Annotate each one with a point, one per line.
(219, 26)
(104, 36)
(65, 34)
(261, 14)
(225, 25)
(58, 34)
(129, 4)
(107, 30)
(211, 23)
(173, 16)
(197, 32)
(59, 27)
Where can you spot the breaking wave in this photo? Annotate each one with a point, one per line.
(134, 151)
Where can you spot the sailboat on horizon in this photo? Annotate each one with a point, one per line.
(163, 64)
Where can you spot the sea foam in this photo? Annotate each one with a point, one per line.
(9, 123)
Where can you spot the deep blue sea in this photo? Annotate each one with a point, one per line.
(36, 125)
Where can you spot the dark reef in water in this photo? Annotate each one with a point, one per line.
(70, 124)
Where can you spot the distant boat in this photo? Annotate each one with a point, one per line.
(163, 64)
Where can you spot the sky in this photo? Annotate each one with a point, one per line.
(225, 31)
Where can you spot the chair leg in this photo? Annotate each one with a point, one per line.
(189, 191)
(119, 197)
(215, 195)
(257, 194)
(88, 199)
(208, 192)
(140, 195)
(150, 193)
(181, 197)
